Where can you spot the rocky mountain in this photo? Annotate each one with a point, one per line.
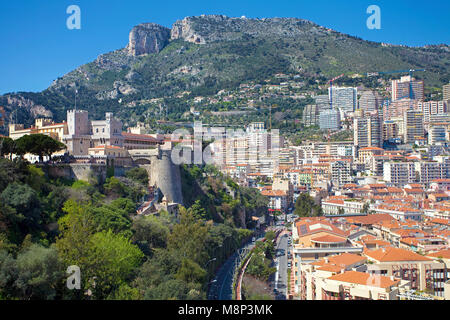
(204, 54)
(147, 38)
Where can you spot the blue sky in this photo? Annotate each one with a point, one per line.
(37, 47)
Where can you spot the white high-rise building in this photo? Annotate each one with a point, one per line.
(322, 102)
(330, 119)
(431, 108)
(370, 101)
(399, 173)
(343, 98)
(437, 135)
(340, 173)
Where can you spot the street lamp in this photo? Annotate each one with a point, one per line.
(213, 259)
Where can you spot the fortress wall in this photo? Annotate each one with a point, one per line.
(166, 176)
(81, 171)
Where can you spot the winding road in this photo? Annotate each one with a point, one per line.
(221, 287)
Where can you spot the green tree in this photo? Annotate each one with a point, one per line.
(7, 146)
(190, 271)
(38, 144)
(149, 233)
(109, 218)
(114, 187)
(26, 205)
(114, 258)
(305, 206)
(39, 273)
(188, 237)
(106, 259)
(138, 174)
(8, 274)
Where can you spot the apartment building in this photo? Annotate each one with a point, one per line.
(399, 173)
(366, 154)
(343, 98)
(413, 126)
(322, 102)
(407, 87)
(310, 115)
(429, 171)
(370, 101)
(422, 272)
(446, 92)
(396, 109)
(437, 134)
(390, 130)
(342, 206)
(354, 285)
(278, 199)
(340, 173)
(330, 119)
(432, 108)
(368, 131)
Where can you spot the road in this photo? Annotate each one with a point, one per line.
(281, 274)
(221, 287)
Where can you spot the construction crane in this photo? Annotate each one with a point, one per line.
(410, 71)
(331, 89)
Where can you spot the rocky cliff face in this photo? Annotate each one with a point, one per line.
(147, 38)
(209, 28)
(184, 29)
(36, 110)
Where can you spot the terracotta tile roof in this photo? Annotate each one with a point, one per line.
(442, 253)
(140, 136)
(441, 180)
(365, 279)
(346, 259)
(371, 148)
(414, 190)
(330, 268)
(395, 254)
(394, 190)
(371, 218)
(410, 241)
(415, 185)
(440, 221)
(274, 193)
(329, 239)
(106, 147)
(309, 226)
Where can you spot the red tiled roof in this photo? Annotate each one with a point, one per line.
(364, 279)
(274, 193)
(371, 148)
(442, 253)
(395, 254)
(329, 239)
